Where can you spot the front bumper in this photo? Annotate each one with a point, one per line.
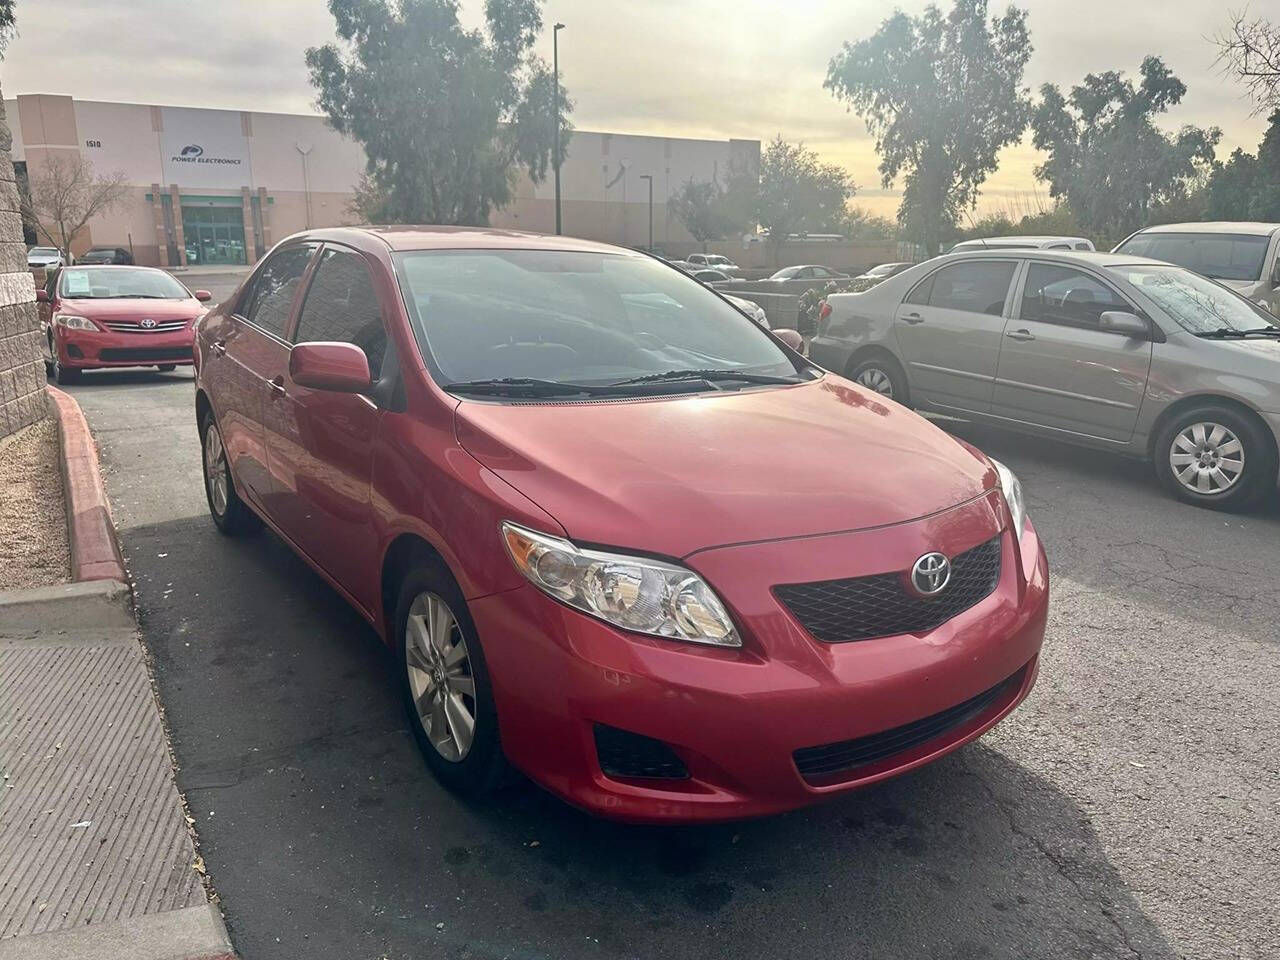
(735, 718)
(90, 349)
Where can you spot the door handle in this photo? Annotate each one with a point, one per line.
(277, 387)
(1020, 335)
(913, 318)
(219, 347)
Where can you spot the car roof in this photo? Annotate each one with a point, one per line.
(1024, 239)
(1216, 226)
(457, 238)
(1093, 258)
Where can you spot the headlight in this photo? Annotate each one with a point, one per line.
(635, 593)
(72, 322)
(1012, 496)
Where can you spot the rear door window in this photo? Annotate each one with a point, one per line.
(271, 298)
(978, 287)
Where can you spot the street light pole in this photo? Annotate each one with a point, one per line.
(555, 110)
(649, 177)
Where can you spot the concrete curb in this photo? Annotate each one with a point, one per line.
(92, 604)
(192, 933)
(95, 551)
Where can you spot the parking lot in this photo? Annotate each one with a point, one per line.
(1129, 808)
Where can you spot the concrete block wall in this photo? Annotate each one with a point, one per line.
(22, 396)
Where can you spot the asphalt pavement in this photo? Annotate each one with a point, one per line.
(1130, 808)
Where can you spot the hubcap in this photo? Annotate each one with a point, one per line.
(215, 470)
(440, 678)
(1207, 458)
(873, 378)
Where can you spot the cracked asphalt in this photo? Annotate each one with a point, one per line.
(1130, 808)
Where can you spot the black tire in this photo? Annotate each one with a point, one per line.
(167, 367)
(875, 370)
(483, 768)
(235, 518)
(63, 374)
(1256, 479)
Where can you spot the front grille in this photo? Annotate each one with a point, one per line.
(835, 761)
(131, 326)
(143, 354)
(631, 756)
(860, 608)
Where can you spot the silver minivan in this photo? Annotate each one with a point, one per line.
(1105, 350)
(1244, 256)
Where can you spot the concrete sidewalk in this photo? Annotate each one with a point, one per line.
(93, 836)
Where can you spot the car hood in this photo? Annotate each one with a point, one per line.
(129, 309)
(674, 475)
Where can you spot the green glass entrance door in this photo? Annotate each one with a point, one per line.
(214, 234)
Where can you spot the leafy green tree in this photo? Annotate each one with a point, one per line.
(700, 206)
(942, 96)
(1247, 187)
(446, 115)
(800, 194)
(1107, 159)
(859, 224)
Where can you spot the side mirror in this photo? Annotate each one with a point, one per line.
(791, 338)
(42, 296)
(1129, 324)
(204, 296)
(341, 367)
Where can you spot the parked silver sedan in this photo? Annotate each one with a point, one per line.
(1104, 350)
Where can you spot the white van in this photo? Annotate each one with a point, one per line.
(1242, 256)
(1023, 243)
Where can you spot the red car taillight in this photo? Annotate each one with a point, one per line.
(823, 314)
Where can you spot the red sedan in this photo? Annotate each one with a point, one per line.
(618, 535)
(116, 316)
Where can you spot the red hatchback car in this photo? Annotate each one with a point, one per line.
(116, 316)
(618, 535)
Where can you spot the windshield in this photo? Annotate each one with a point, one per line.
(42, 252)
(1198, 304)
(1223, 256)
(573, 318)
(118, 283)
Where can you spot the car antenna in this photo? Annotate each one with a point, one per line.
(974, 226)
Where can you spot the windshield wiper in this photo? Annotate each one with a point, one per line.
(525, 386)
(709, 375)
(1231, 333)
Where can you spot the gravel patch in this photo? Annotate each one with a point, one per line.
(33, 520)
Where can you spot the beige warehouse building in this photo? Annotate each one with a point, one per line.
(220, 186)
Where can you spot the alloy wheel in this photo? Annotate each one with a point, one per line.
(873, 378)
(440, 677)
(215, 469)
(1207, 458)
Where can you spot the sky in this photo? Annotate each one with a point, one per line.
(747, 69)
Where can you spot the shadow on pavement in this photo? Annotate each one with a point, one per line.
(325, 835)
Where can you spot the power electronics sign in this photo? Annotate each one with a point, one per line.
(194, 153)
(204, 148)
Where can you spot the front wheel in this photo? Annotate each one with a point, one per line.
(1216, 457)
(445, 682)
(167, 367)
(229, 512)
(63, 374)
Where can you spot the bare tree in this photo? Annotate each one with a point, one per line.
(1249, 51)
(65, 193)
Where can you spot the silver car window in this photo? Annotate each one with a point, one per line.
(1223, 256)
(1196, 303)
(977, 287)
(1068, 297)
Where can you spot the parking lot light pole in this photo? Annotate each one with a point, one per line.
(649, 177)
(555, 109)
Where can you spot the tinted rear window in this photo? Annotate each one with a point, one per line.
(1223, 256)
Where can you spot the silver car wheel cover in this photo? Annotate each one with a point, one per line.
(874, 378)
(215, 470)
(440, 677)
(1207, 458)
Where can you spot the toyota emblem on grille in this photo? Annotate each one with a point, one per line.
(931, 574)
(148, 323)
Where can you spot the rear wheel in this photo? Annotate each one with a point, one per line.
(881, 374)
(445, 682)
(1217, 457)
(229, 512)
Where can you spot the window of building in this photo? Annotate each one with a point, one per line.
(341, 305)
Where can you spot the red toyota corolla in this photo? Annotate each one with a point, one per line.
(617, 534)
(112, 316)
